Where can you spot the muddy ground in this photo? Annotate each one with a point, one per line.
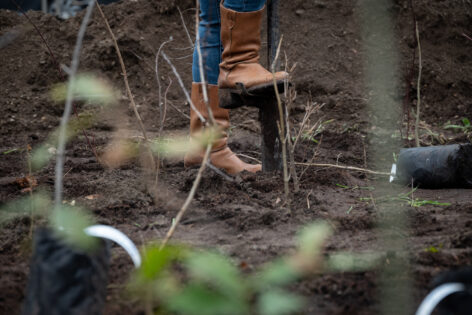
(244, 220)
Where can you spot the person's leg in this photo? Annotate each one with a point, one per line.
(210, 43)
(244, 5)
(240, 70)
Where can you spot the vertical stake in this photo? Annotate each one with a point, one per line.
(268, 110)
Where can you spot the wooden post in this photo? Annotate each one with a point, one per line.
(271, 145)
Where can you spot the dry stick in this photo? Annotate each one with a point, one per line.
(420, 68)
(30, 176)
(156, 71)
(185, 27)
(165, 107)
(61, 75)
(209, 147)
(128, 90)
(291, 147)
(280, 125)
(184, 90)
(68, 107)
(351, 168)
(315, 153)
(188, 200)
(466, 36)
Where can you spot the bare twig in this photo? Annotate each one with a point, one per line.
(351, 168)
(281, 124)
(189, 199)
(177, 109)
(58, 189)
(289, 98)
(315, 153)
(156, 70)
(185, 28)
(249, 157)
(418, 104)
(184, 90)
(128, 90)
(219, 172)
(466, 36)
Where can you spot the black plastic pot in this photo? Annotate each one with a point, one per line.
(64, 280)
(437, 166)
(459, 303)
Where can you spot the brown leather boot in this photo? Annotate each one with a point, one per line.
(221, 156)
(240, 68)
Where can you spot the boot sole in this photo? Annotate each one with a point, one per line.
(252, 97)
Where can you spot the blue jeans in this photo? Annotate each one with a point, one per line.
(209, 33)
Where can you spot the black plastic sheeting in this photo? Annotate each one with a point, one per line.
(459, 303)
(437, 166)
(63, 280)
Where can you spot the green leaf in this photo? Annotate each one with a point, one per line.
(466, 122)
(10, 151)
(277, 302)
(453, 127)
(278, 273)
(197, 299)
(86, 87)
(69, 223)
(345, 261)
(312, 238)
(38, 204)
(156, 260)
(218, 271)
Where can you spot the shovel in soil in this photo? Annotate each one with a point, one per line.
(436, 166)
(66, 280)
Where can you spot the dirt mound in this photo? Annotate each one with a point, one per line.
(245, 218)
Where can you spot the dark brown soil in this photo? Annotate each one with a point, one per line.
(245, 219)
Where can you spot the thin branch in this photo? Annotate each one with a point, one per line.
(156, 70)
(280, 124)
(418, 87)
(466, 36)
(351, 168)
(189, 199)
(219, 172)
(184, 90)
(58, 189)
(161, 128)
(315, 153)
(128, 90)
(185, 28)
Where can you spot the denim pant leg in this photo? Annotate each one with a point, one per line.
(210, 43)
(244, 5)
(209, 33)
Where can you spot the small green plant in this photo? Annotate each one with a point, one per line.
(183, 280)
(68, 221)
(407, 198)
(434, 249)
(466, 127)
(310, 134)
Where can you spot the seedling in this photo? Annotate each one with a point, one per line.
(466, 127)
(407, 198)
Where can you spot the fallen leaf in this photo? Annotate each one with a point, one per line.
(92, 197)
